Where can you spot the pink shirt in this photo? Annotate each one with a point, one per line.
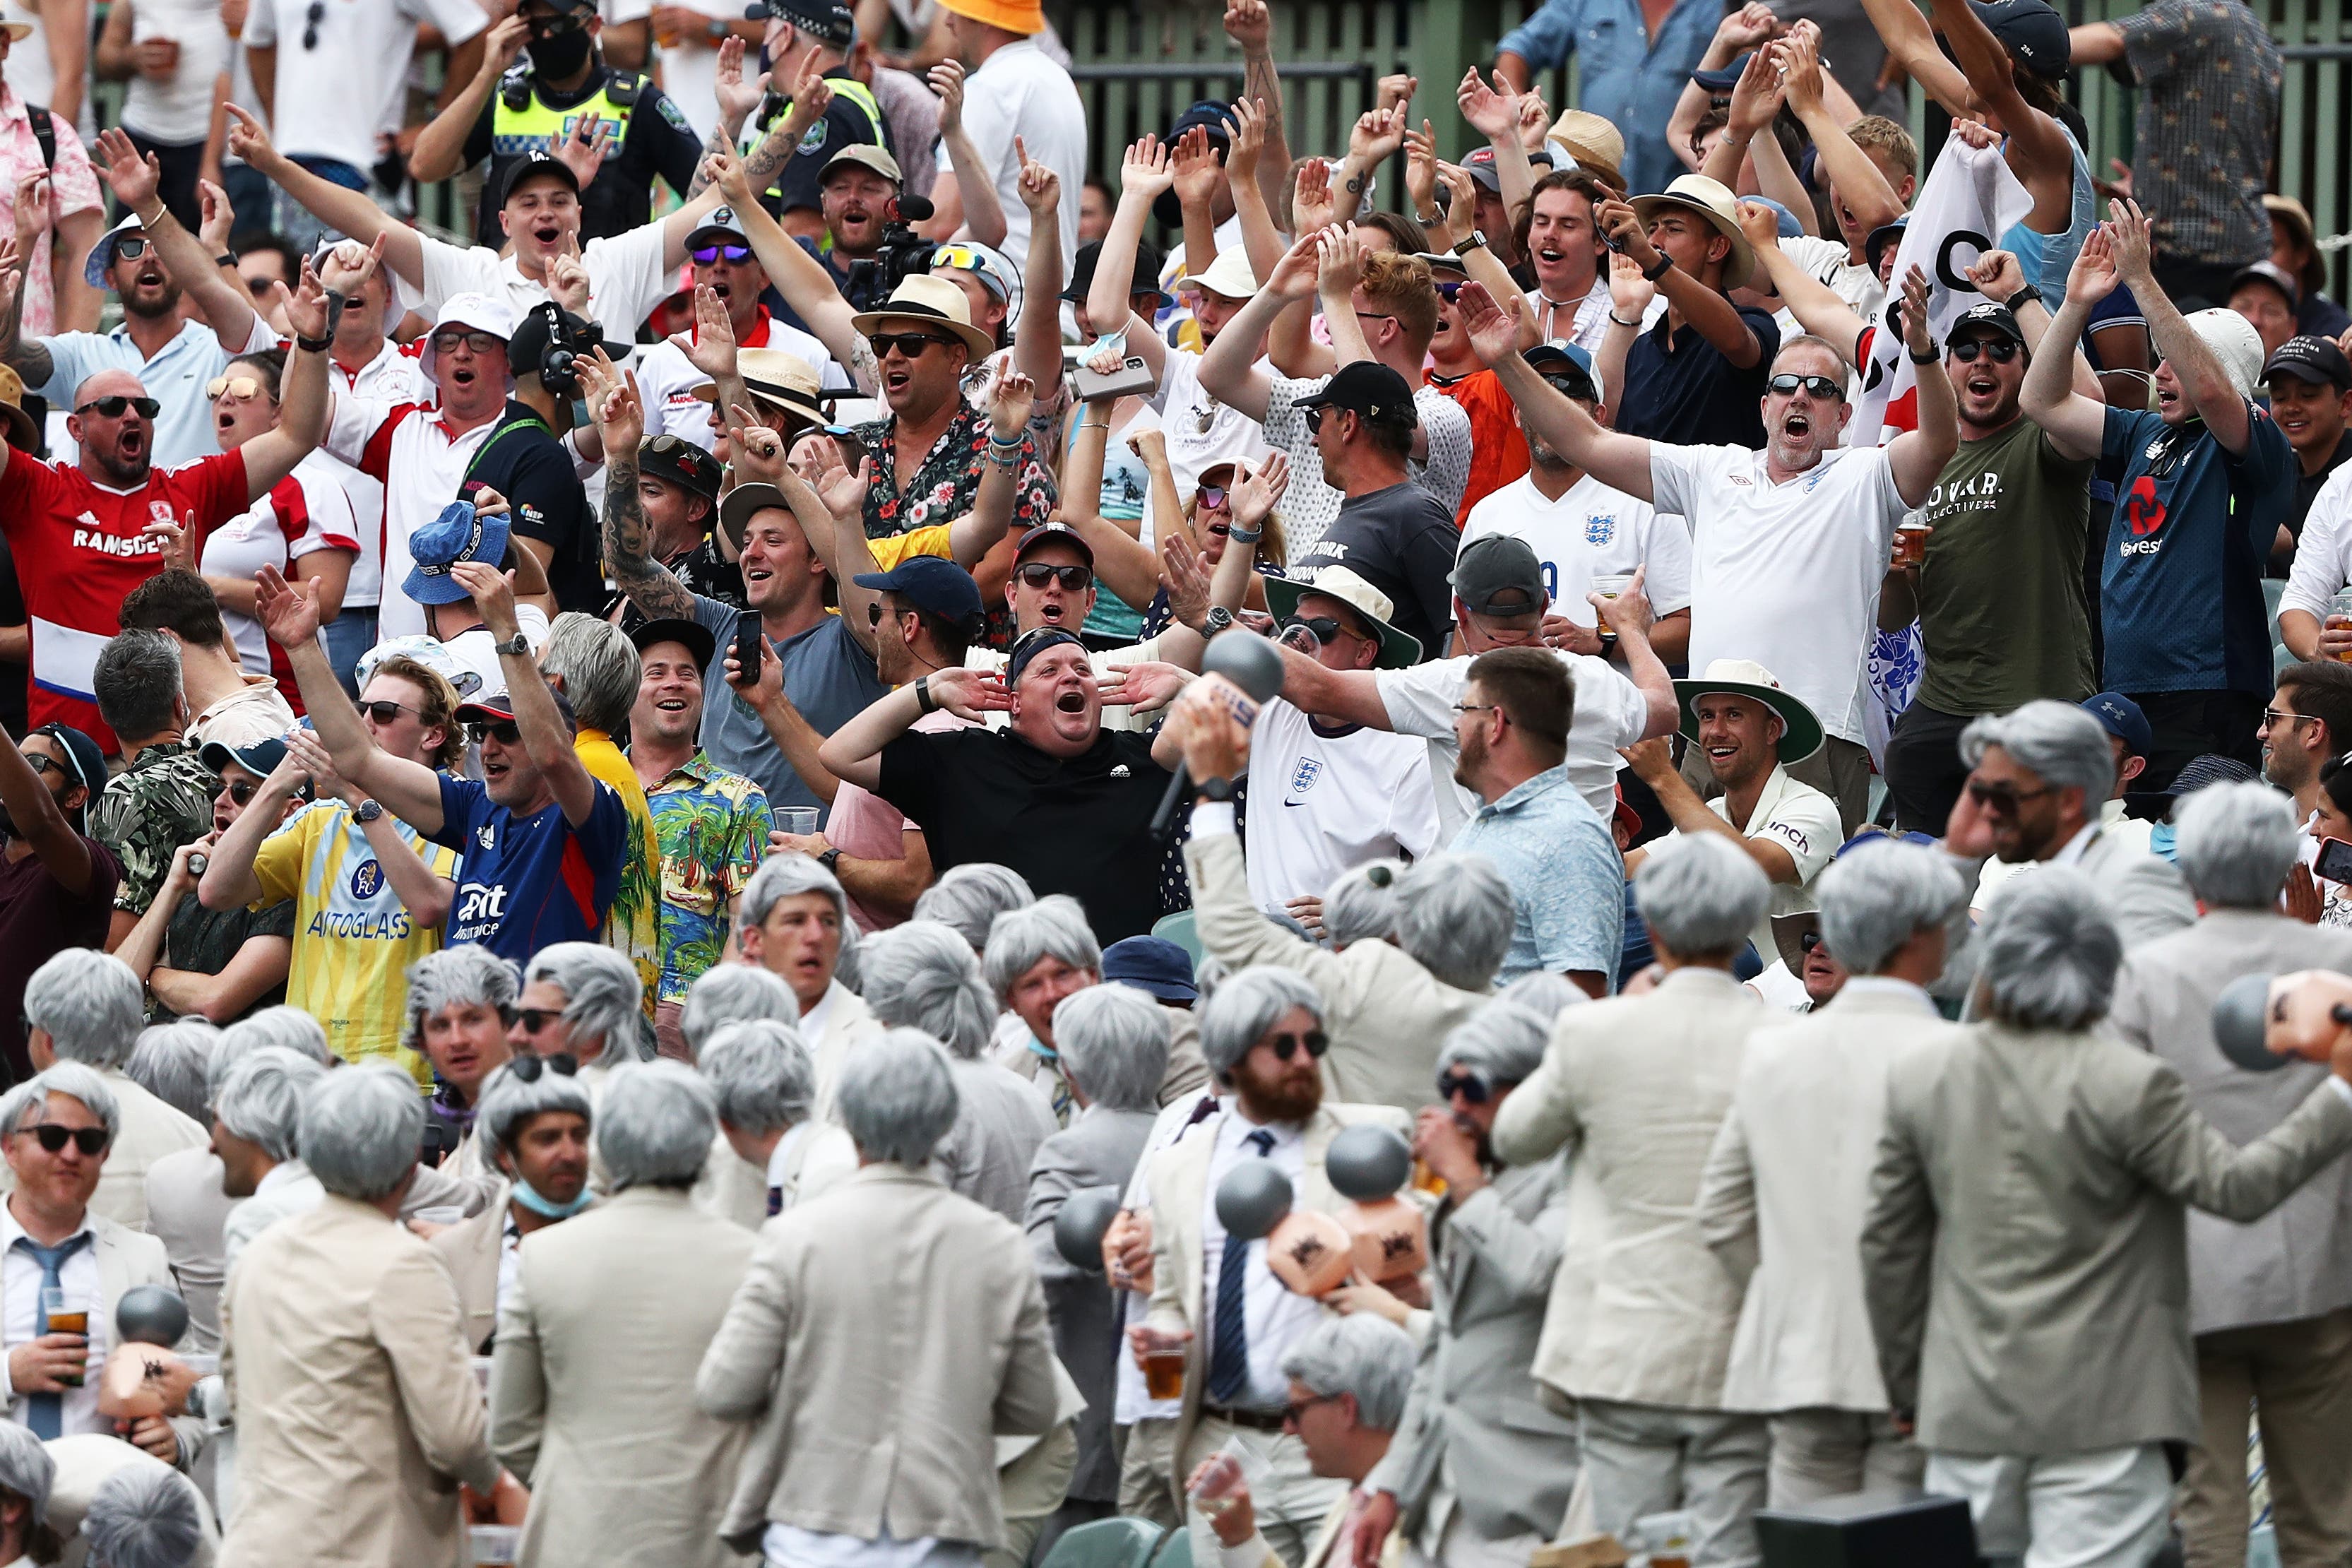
(73, 188)
(865, 826)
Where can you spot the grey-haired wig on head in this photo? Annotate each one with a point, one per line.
(1113, 1042)
(360, 1129)
(1245, 1007)
(26, 1469)
(967, 899)
(469, 977)
(760, 1075)
(1502, 1043)
(1360, 1355)
(144, 1516)
(286, 1029)
(602, 997)
(23, 1105)
(173, 1063)
(780, 876)
(1360, 904)
(599, 667)
(90, 1004)
(1053, 927)
(1455, 916)
(2235, 842)
(897, 1097)
(1700, 896)
(2057, 742)
(508, 1103)
(922, 975)
(2049, 952)
(1543, 993)
(656, 1125)
(1877, 897)
(733, 993)
(260, 1099)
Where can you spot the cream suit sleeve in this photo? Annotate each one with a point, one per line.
(414, 1318)
(518, 1384)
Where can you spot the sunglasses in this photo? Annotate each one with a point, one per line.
(2000, 350)
(709, 254)
(259, 287)
(130, 248)
(1447, 291)
(43, 765)
(1810, 941)
(481, 342)
(963, 258)
(2272, 718)
(1325, 627)
(1038, 574)
(1315, 419)
(2000, 800)
(90, 1141)
(1298, 1407)
(1212, 496)
(910, 344)
(1286, 1045)
(115, 407)
(241, 790)
(1468, 1085)
(531, 1069)
(311, 20)
(1820, 386)
(386, 712)
(505, 734)
(243, 388)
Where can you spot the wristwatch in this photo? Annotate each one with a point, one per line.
(1665, 265)
(1216, 620)
(2029, 294)
(1215, 789)
(829, 858)
(1474, 240)
(367, 811)
(517, 644)
(717, 29)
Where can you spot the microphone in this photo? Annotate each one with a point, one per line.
(916, 209)
(1250, 662)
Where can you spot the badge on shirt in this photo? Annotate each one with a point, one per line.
(1601, 528)
(1303, 777)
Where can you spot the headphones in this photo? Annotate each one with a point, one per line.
(558, 368)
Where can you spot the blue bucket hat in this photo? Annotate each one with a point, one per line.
(101, 255)
(1151, 964)
(459, 534)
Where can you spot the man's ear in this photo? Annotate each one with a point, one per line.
(2133, 767)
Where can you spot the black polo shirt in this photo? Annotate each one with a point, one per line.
(656, 143)
(2306, 490)
(524, 462)
(1080, 826)
(1680, 389)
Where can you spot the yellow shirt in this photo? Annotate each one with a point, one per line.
(353, 937)
(633, 925)
(888, 551)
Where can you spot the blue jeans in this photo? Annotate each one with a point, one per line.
(295, 221)
(347, 637)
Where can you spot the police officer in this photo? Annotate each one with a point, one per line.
(561, 91)
(802, 33)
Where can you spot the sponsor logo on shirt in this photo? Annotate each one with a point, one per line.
(1121, 772)
(488, 835)
(359, 926)
(480, 908)
(95, 538)
(2146, 513)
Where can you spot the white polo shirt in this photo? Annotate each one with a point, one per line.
(2323, 556)
(1787, 574)
(1800, 819)
(625, 278)
(420, 462)
(1592, 531)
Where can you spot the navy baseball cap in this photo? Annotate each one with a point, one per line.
(1216, 118)
(2032, 32)
(1788, 227)
(2120, 716)
(1151, 964)
(932, 583)
(84, 756)
(1566, 366)
(459, 534)
(1030, 644)
(1885, 234)
(260, 759)
(1722, 81)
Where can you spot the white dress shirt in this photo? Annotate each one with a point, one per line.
(20, 1321)
(789, 1546)
(1272, 1317)
(1177, 1120)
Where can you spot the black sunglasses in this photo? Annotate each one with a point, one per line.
(90, 1141)
(1810, 941)
(2002, 801)
(311, 20)
(130, 248)
(505, 734)
(2000, 350)
(1468, 1085)
(1286, 1045)
(1447, 291)
(242, 791)
(386, 712)
(910, 345)
(1325, 627)
(42, 763)
(1037, 573)
(115, 407)
(709, 254)
(1821, 386)
(528, 1068)
(1314, 418)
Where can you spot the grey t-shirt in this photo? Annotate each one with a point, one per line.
(827, 673)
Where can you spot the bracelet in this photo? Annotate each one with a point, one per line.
(316, 345)
(1932, 356)
(1005, 458)
(1623, 322)
(1665, 265)
(923, 702)
(1244, 536)
(226, 259)
(2027, 295)
(1006, 443)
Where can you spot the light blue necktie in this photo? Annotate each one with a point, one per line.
(1229, 1351)
(45, 1412)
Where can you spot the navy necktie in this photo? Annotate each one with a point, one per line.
(1229, 1348)
(45, 1412)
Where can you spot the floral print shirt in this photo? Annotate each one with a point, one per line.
(713, 827)
(949, 481)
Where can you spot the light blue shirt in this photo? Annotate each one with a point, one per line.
(174, 378)
(1622, 76)
(1567, 878)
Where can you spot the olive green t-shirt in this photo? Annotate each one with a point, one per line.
(2001, 613)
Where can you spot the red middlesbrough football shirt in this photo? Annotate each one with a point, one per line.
(79, 551)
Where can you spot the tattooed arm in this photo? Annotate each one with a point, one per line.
(621, 419)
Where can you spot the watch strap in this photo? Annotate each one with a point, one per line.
(1665, 265)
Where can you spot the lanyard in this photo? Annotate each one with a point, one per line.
(529, 420)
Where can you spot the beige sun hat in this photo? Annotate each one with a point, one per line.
(1713, 201)
(923, 301)
(1592, 141)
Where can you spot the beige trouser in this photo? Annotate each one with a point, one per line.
(1032, 1486)
(1824, 1453)
(1841, 770)
(2298, 1378)
(1146, 1472)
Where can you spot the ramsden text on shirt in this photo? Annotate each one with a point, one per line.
(93, 536)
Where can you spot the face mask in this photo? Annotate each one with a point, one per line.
(560, 54)
(531, 1200)
(2159, 840)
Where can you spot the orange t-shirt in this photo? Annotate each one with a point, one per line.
(1499, 453)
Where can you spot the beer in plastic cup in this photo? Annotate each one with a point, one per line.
(1425, 1180)
(2339, 619)
(1163, 1363)
(63, 1315)
(1911, 544)
(1608, 584)
(1213, 1489)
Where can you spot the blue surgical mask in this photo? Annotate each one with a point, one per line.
(531, 1200)
(2160, 841)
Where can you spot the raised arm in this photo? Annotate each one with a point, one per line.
(38, 820)
(352, 213)
(620, 413)
(1998, 278)
(30, 360)
(1037, 335)
(545, 739)
(2077, 424)
(854, 752)
(1917, 458)
(1124, 564)
(1713, 313)
(1254, 162)
(1622, 462)
(1197, 174)
(799, 276)
(1494, 113)
(975, 209)
(426, 895)
(1143, 174)
(1755, 101)
(1911, 43)
(1630, 615)
(304, 400)
(134, 180)
(736, 96)
(2203, 380)
(1228, 369)
(440, 150)
(2039, 152)
(1859, 184)
(229, 882)
(1250, 23)
(1814, 303)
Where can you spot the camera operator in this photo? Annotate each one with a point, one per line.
(868, 220)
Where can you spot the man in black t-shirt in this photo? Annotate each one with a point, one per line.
(525, 461)
(2310, 387)
(1053, 796)
(1389, 532)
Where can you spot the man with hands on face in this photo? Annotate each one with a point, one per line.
(1690, 376)
(541, 840)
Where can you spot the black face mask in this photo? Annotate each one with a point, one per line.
(557, 55)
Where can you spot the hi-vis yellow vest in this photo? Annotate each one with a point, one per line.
(755, 129)
(520, 121)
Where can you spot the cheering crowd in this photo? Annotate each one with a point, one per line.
(801, 856)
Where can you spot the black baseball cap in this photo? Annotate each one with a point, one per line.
(2313, 359)
(828, 20)
(538, 161)
(1494, 565)
(1367, 387)
(1566, 366)
(1717, 82)
(682, 463)
(1217, 119)
(260, 759)
(2032, 32)
(85, 758)
(931, 584)
(1145, 280)
(698, 638)
(1996, 319)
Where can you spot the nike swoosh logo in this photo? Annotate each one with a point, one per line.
(1294, 803)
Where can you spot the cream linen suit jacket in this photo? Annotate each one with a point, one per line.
(1326, 1534)
(357, 1412)
(187, 1211)
(848, 1024)
(734, 1189)
(469, 1251)
(1179, 1184)
(151, 1129)
(885, 1334)
(623, 1469)
(1637, 1086)
(1789, 1178)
